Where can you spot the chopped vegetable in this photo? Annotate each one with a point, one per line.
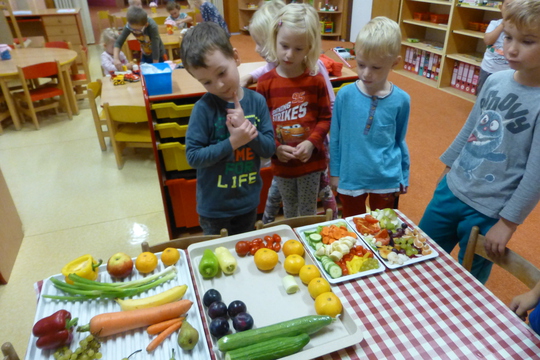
(290, 285)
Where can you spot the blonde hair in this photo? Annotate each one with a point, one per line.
(379, 38)
(524, 14)
(108, 35)
(195, 3)
(261, 21)
(302, 19)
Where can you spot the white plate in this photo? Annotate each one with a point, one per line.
(121, 345)
(265, 297)
(414, 260)
(300, 231)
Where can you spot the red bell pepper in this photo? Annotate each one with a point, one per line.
(55, 330)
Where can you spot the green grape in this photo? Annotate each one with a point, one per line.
(73, 356)
(85, 357)
(98, 355)
(90, 338)
(83, 343)
(409, 252)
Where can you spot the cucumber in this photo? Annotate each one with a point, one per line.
(306, 324)
(318, 245)
(310, 232)
(315, 238)
(331, 267)
(270, 349)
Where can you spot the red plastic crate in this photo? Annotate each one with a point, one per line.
(421, 16)
(439, 18)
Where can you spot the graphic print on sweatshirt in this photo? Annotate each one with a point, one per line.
(241, 169)
(290, 129)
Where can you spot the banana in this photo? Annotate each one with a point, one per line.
(174, 294)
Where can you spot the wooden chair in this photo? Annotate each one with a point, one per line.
(49, 91)
(9, 352)
(4, 111)
(102, 15)
(182, 243)
(81, 79)
(112, 22)
(512, 262)
(6, 6)
(297, 221)
(93, 91)
(134, 49)
(128, 127)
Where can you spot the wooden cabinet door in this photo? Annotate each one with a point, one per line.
(388, 8)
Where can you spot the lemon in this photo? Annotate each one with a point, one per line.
(146, 262)
(308, 273)
(328, 304)
(170, 256)
(265, 259)
(293, 263)
(318, 286)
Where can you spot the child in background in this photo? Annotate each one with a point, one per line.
(181, 18)
(494, 59)
(368, 154)
(493, 165)
(259, 28)
(146, 32)
(209, 12)
(136, 3)
(229, 131)
(108, 38)
(299, 105)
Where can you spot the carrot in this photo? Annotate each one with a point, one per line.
(120, 321)
(159, 327)
(162, 336)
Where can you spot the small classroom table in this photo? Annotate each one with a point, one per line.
(33, 56)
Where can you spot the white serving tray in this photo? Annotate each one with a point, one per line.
(265, 297)
(121, 345)
(300, 231)
(411, 261)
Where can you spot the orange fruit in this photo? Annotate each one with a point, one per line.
(293, 247)
(308, 273)
(265, 259)
(146, 262)
(318, 286)
(328, 304)
(293, 263)
(170, 256)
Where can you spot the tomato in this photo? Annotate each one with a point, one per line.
(276, 247)
(276, 238)
(256, 241)
(242, 248)
(254, 249)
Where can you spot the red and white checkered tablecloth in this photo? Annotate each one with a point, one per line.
(432, 310)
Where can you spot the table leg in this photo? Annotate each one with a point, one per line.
(10, 104)
(170, 51)
(72, 100)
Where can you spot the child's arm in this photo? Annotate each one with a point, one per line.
(329, 86)
(242, 134)
(498, 236)
(118, 45)
(402, 122)
(252, 77)
(107, 63)
(525, 302)
(153, 33)
(335, 146)
(492, 35)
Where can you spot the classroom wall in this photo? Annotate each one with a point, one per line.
(360, 15)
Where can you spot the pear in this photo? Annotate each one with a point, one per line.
(188, 337)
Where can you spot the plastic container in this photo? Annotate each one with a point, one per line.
(158, 84)
(439, 18)
(421, 16)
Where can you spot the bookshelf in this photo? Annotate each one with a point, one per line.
(456, 41)
(330, 11)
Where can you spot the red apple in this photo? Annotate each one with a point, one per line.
(120, 265)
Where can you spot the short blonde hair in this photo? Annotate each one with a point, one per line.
(303, 19)
(524, 14)
(108, 36)
(261, 21)
(195, 3)
(379, 38)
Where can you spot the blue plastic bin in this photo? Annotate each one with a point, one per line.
(159, 84)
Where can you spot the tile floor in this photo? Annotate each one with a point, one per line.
(72, 200)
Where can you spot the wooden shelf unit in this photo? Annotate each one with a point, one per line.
(455, 41)
(246, 9)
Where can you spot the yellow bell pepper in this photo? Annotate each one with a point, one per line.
(85, 266)
(356, 263)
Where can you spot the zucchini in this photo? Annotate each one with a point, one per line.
(270, 349)
(306, 324)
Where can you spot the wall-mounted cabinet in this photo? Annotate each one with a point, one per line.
(448, 28)
(332, 15)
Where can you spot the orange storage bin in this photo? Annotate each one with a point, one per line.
(183, 198)
(439, 18)
(421, 16)
(474, 26)
(483, 27)
(266, 176)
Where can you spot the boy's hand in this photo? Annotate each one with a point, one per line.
(246, 80)
(303, 150)
(242, 134)
(498, 236)
(236, 115)
(403, 189)
(334, 182)
(523, 303)
(118, 64)
(285, 153)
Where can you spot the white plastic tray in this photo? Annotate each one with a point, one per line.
(411, 261)
(265, 297)
(121, 345)
(300, 231)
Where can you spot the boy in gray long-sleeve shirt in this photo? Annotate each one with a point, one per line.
(493, 165)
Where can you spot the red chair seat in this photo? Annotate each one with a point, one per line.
(76, 77)
(45, 93)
